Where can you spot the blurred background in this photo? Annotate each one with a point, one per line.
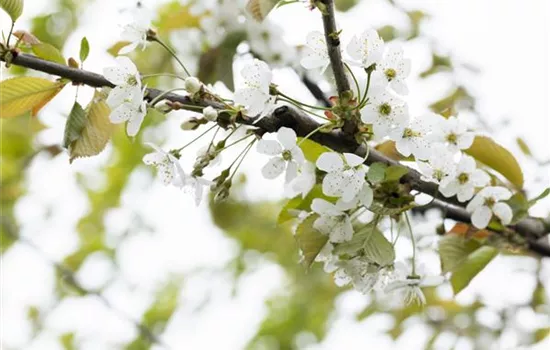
(98, 254)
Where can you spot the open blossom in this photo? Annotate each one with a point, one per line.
(464, 181)
(366, 48)
(363, 198)
(194, 185)
(411, 285)
(286, 155)
(413, 138)
(132, 111)
(440, 164)
(454, 134)
(394, 69)
(167, 164)
(303, 183)
(332, 221)
(255, 93)
(316, 52)
(345, 174)
(487, 202)
(385, 111)
(136, 32)
(127, 80)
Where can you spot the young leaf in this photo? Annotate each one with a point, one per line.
(174, 15)
(523, 146)
(74, 125)
(543, 195)
(84, 49)
(378, 249)
(312, 150)
(49, 53)
(377, 172)
(309, 239)
(14, 8)
(298, 204)
(395, 172)
(473, 264)
(96, 131)
(26, 94)
(490, 153)
(454, 250)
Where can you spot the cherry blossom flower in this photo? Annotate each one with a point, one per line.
(316, 52)
(167, 164)
(411, 285)
(454, 134)
(303, 183)
(132, 111)
(487, 202)
(440, 164)
(332, 221)
(464, 181)
(286, 155)
(195, 186)
(363, 198)
(136, 32)
(127, 80)
(345, 175)
(366, 48)
(385, 111)
(413, 138)
(255, 93)
(394, 69)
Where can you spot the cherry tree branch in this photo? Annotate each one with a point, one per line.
(532, 229)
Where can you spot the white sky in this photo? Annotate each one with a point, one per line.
(507, 40)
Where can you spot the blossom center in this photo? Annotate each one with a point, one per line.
(452, 138)
(287, 155)
(390, 74)
(384, 109)
(438, 174)
(489, 202)
(410, 133)
(132, 80)
(463, 178)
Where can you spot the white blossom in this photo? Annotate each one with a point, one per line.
(286, 155)
(210, 114)
(440, 164)
(487, 202)
(411, 287)
(127, 80)
(303, 183)
(464, 181)
(193, 185)
(366, 48)
(266, 41)
(192, 85)
(254, 95)
(413, 138)
(136, 32)
(345, 175)
(316, 55)
(385, 111)
(363, 198)
(132, 111)
(332, 221)
(454, 134)
(394, 69)
(167, 164)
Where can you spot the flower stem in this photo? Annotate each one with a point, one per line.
(303, 109)
(354, 80)
(364, 98)
(171, 52)
(413, 242)
(147, 76)
(311, 134)
(196, 138)
(242, 155)
(301, 103)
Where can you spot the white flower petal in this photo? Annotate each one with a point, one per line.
(330, 161)
(481, 217)
(287, 138)
(274, 167)
(291, 171)
(503, 212)
(353, 160)
(269, 147)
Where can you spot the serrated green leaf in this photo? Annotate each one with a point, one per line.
(498, 158)
(378, 249)
(74, 125)
(377, 172)
(395, 172)
(312, 150)
(474, 264)
(357, 242)
(84, 49)
(48, 52)
(96, 130)
(309, 239)
(26, 94)
(454, 250)
(14, 8)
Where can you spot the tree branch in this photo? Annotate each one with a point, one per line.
(532, 229)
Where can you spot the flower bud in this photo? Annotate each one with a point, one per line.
(192, 85)
(191, 124)
(210, 114)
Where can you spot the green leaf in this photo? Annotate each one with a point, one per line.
(395, 172)
(74, 125)
(543, 195)
(345, 5)
(84, 49)
(26, 94)
(377, 172)
(95, 130)
(309, 239)
(312, 150)
(378, 249)
(49, 53)
(520, 206)
(174, 15)
(14, 8)
(357, 242)
(217, 63)
(474, 263)
(298, 204)
(490, 153)
(523, 146)
(454, 250)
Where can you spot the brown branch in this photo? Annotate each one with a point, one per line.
(531, 228)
